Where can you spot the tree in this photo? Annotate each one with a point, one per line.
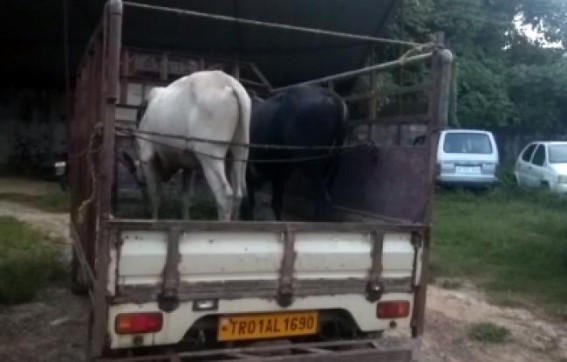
(502, 72)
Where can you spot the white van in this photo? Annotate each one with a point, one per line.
(467, 158)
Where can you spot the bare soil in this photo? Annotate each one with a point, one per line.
(53, 328)
(451, 312)
(12, 185)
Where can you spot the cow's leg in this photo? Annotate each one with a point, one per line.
(148, 202)
(238, 175)
(153, 183)
(214, 171)
(323, 203)
(188, 191)
(253, 184)
(235, 182)
(277, 198)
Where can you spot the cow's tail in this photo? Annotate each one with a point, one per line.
(339, 137)
(241, 136)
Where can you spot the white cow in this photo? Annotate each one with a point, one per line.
(208, 105)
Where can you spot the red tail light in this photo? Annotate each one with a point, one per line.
(393, 309)
(135, 323)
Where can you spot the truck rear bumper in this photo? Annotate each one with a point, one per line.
(375, 350)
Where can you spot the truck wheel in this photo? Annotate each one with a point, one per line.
(79, 285)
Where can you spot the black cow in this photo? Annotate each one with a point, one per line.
(300, 116)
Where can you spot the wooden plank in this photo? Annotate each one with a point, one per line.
(359, 97)
(266, 226)
(391, 120)
(260, 76)
(252, 83)
(438, 113)
(422, 87)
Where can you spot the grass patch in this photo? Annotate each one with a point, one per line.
(27, 261)
(511, 242)
(57, 201)
(450, 283)
(488, 333)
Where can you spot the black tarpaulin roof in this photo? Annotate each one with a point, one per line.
(34, 42)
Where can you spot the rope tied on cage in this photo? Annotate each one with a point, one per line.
(416, 50)
(137, 133)
(340, 150)
(257, 161)
(91, 151)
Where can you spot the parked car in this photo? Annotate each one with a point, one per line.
(543, 164)
(467, 158)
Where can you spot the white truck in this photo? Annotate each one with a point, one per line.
(170, 290)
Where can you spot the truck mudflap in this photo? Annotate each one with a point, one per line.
(366, 350)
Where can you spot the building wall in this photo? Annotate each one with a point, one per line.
(32, 130)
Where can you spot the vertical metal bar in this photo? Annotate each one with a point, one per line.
(261, 76)
(164, 70)
(236, 71)
(110, 72)
(285, 292)
(88, 227)
(124, 76)
(438, 111)
(374, 287)
(371, 104)
(168, 300)
(112, 68)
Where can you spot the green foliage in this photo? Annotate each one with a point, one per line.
(488, 332)
(540, 94)
(27, 262)
(483, 101)
(502, 73)
(511, 242)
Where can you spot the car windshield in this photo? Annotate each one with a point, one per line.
(558, 153)
(476, 143)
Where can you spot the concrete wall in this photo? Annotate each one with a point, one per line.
(32, 130)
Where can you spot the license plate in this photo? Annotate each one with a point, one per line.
(471, 170)
(264, 326)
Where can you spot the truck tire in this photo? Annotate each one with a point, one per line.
(79, 285)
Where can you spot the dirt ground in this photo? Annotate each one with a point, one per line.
(53, 328)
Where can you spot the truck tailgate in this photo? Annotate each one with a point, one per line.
(236, 264)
